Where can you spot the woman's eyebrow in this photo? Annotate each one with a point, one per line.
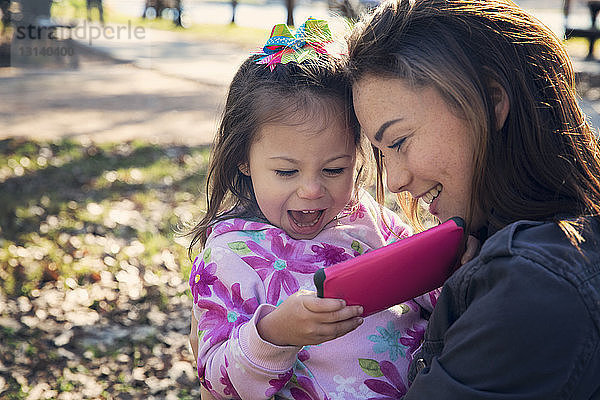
(383, 127)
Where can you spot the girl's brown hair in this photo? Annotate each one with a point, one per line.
(292, 93)
(544, 163)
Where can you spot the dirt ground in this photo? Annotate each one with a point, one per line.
(106, 101)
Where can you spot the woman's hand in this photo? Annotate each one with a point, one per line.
(305, 319)
(472, 248)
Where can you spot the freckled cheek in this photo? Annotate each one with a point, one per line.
(424, 163)
(445, 162)
(457, 178)
(451, 174)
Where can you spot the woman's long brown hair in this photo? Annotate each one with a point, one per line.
(544, 163)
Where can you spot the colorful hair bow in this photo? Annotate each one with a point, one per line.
(309, 40)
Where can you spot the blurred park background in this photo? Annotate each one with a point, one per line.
(104, 145)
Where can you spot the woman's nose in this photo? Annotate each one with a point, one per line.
(311, 189)
(397, 177)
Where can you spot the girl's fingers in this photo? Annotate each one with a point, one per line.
(338, 329)
(343, 314)
(318, 305)
(303, 319)
(331, 310)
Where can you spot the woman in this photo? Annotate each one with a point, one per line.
(470, 107)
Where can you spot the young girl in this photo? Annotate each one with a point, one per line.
(284, 201)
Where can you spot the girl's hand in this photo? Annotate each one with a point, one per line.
(304, 319)
(472, 248)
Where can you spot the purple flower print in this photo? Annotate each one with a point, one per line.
(279, 265)
(412, 304)
(303, 355)
(305, 390)
(219, 321)
(390, 226)
(229, 389)
(271, 233)
(358, 213)
(228, 225)
(395, 390)
(299, 366)
(279, 383)
(329, 254)
(209, 387)
(413, 340)
(201, 278)
(385, 229)
(433, 296)
(237, 224)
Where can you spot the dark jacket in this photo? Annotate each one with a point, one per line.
(520, 321)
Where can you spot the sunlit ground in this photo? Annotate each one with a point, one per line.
(70, 209)
(93, 295)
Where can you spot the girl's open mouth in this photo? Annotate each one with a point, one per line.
(305, 218)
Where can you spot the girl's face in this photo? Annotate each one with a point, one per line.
(302, 174)
(428, 150)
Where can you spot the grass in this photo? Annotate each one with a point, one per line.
(70, 210)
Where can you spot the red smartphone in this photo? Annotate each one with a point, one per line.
(397, 272)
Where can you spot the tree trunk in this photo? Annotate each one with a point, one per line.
(566, 6)
(234, 4)
(290, 12)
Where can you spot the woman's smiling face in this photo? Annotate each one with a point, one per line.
(428, 148)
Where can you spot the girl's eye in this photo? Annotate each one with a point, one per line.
(398, 144)
(334, 171)
(285, 173)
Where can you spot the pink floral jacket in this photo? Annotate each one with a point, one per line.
(247, 268)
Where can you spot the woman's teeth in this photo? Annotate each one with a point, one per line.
(432, 194)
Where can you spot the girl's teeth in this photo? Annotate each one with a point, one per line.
(432, 194)
(306, 218)
(305, 225)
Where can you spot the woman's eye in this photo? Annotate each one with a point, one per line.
(398, 144)
(285, 173)
(334, 171)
